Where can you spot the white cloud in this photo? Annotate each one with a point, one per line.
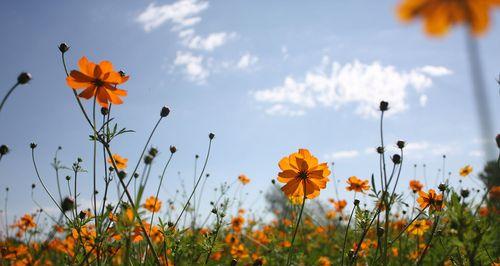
(337, 85)
(284, 52)
(193, 66)
(279, 109)
(476, 153)
(423, 100)
(247, 60)
(342, 155)
(209, 43)
(435, 71)
(182, 13)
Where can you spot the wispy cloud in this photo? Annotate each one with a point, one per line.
(208, 43)
(356, 83)
(247, 60)
(192, 65)
(181, 14)
(342, 155)
(435, 71)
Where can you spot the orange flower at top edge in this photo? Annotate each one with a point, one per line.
(303, 175)
(357, 184)
(98, 80)
(431, 199)
(465, 171)
(121, 163)
(440, 15)
(416, 186)
(243, 179)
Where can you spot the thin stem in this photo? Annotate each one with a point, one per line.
(345, 236)
(288, 260)
(8, 94)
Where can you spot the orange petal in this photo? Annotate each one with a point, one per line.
(88, 92)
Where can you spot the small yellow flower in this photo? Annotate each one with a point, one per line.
(466, 170)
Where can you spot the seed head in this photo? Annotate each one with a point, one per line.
(380, 231)
(400, 144)
(356, 202)
(148, 159)
(23, 78)
(82, 215)
(68, 178)
(122, 174)
(211, 136)
(173, 149)
(384, 106)
(63, 47)
(380, 149)
(164, 111)
(464, 193)
(396, 159)
(32, 145)
(67, 204)
(442, 187)
(4, 149)
(153, 152)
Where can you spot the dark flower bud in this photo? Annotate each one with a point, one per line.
(173, 149)
(351, 253)
(211, 136)
(214, 211)
(122, 73)
(380, 231)
(7, 189)
(63, 47)
(170, 224)
(23, 78)
(122, 174)
(33, 186)
(82, 215)
(258, 262)
(464, 193)
(111, 169)
(384, 106)
(164, 111)
(79, 159)
(400, 144)
(68, 178)
(109, 207)
(153, 152)
(4, 149)
(234, 262)
(380, 150)
(498, 140)
(396, 159)
(442, 187)
(273, 181)
(404, 212)
(356, 202)
(222, 215)
(136, 175)
(32, 145)
(196, 156)
(104, 111)
(67, 204)
(148, 159)
(96, 192)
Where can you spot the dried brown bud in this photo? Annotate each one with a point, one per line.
(384, 106)
(173, 149)
(400, 144)
(164, 111)
(396, 159)
(63, 47)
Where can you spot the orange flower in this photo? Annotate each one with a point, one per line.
(416, 186)
(418, 227)
(465, 171)
(99, 81)
(303, 175)
(26, 222)
(237, 223)
(339, 205)
(431, 199)
(495, 192)
(244, 179)
(357, 184)
(324, 261)
(121, 163)
(152, 204)
(440, 15)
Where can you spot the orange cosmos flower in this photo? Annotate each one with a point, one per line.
(440, 15)
(121, 163)
(303, 175)
(431, 199)
(357, 184)
(465, 171)
(324, 261)
(237, 223)
(495, 193)
(339, 205)
(152, 204)
(98, 80)
(243, 179)
(416, 186)
(418, 227)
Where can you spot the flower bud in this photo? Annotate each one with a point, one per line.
(24, 78)
(464, 193)
(104, 111)
(400, 144)
(32, 145)
(63, 47)
(396, 159)
(498, 140)
(380, 231)
(4, 149)
(173, 149)
(356, 202)
(82, 215)
(122, 174)
(136, 175)
(164, 111)
(67, 204)
(384, 106)
(153, 151)
(148, 159)
(211, 136)
(442, 187)
(33, 186)
(68, 178)
(380, 150)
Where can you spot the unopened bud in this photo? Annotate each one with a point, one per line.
(380, 150)
(464, 193)
(122, 174)
(442, 187)
(4, 149)
(63, 47)
(211, 136)
(356, 202)
(23, 78)
(380, 231)
(384, 106)
(400, 144)
(173, 149)
(164, 111)
(67, 204)
(32, 145)
(104, 111)
(396, 159)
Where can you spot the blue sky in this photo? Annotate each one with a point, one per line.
(266, 77)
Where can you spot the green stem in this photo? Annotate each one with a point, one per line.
(288, 260)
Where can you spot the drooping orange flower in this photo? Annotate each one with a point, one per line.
(152, 204)
(339, 205)
(465, 171)
(243, 179)
(432, 200)
(303, 175)
(416, 186)
(357, 184)
(418, 227)
(98, 80)
(121, 162)
(440, 15)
